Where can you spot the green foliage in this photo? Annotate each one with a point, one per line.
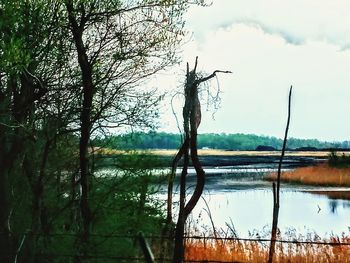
(23, 34)
(41, 101)
(123, 203)
(140, 140)
(162, 140)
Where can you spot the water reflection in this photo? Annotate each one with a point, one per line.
(333, 204)
(252, 209)
(244, 201)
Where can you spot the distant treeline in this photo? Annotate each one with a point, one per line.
(162, 140)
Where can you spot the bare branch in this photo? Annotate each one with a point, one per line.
(212, 75)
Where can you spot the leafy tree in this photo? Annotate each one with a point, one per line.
(118, 44)
(24, 67)
(67, 70)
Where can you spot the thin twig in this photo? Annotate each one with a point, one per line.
(210, 217)
(19, 248)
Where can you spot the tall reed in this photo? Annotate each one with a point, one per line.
(321, 174)
(208, 250)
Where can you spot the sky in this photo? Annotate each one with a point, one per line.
(270, 45)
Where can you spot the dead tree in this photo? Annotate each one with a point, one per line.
(276, 188)
(192, 118)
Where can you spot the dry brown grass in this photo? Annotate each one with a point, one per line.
(229, 251)
(322, 175)
(106, 151)
(252, 251)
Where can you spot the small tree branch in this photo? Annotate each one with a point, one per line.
(212, 76)
(195, 65)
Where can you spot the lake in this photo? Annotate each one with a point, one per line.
(238, 196)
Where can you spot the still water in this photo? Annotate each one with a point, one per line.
(242, 200)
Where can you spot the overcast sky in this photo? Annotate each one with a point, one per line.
(270, 45)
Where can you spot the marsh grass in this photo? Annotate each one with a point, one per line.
(210, 250)
(322, 174)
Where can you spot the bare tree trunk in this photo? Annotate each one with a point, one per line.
(276, 188)
(180, 225)
(192, 119)
(181, 221)
(171, 178)
(85, 118)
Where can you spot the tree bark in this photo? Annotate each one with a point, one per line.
(192, 119)
(200, 174)
(180, 225)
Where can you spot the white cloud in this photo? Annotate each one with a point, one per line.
(250, 38)
(296, 21)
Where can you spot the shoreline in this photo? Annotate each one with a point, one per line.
(332, 194)
(308, 162)
(219, 158)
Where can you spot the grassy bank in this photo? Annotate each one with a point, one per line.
(322, 175)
